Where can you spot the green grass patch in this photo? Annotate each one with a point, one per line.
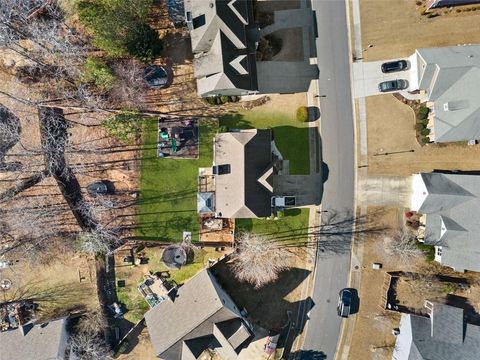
(168, 188)
(133, 303)
(292, 226)
(201, 257)
(291, 136)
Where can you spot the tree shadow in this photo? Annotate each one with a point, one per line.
(266, 306)
(309, 355)
(472, 316)
(177, 48)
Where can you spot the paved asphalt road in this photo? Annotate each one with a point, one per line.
(338, 153)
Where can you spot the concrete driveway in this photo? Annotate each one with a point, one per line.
(367, 76)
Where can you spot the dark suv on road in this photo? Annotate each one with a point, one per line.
(392, 85)
(394, 66)
(344, 303)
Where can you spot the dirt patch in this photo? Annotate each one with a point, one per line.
(396, 29)
(391, 128)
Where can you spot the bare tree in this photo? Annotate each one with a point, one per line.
(258, 260)
(87, 341)
(402, 244)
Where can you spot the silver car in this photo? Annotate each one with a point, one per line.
(393, 85)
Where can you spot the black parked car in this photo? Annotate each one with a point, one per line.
(392, 85)
(393, 66)
(344, 303)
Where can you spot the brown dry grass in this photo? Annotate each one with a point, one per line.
(55, 287)
(390, 128)
(372, 325)
(396, 29)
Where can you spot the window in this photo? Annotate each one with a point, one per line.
(221, 169)
(198, 21)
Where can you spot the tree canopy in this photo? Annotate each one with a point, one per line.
(119, 27)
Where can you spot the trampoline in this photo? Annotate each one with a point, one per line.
(155, 77)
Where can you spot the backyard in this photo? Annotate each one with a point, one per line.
(129, 295)
(168, 195)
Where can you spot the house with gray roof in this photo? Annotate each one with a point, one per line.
(46, 341)
(434, 4)
(200, 318)
(442, 335)
(223, 36)
(451, 205)
(243, 170)
(449, 77)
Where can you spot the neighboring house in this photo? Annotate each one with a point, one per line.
(451, 203)
(47, 341)
(444, 335)
(200, 319)
(432, 4)
(243, 175)
(224, 39)
(450, 78)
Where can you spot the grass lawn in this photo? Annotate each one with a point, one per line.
(291, 136)
(129, 295)
(293, 226)
(168, 196)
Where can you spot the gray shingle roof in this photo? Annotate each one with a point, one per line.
(450, 76)
(451, 203)
(443, 336)
(224, 47)
(184, 327)
(240, 194)
(45, 341)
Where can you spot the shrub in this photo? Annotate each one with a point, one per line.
(419, 126)
(432, 15)
(222, 129)
(425, 140)
(458, 10)
(302, 114)
(98, 73)
(428, 250)
(122, 349)
(418, 3)
(218, 101)
(223, 99)
(234, 98)
(210, 100)
(423, 11)
(425, 132)
(423, 112)
(124, 126)
(424, 122)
